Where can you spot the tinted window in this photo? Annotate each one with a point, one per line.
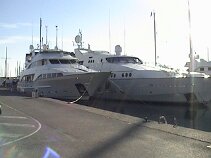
(54, 61)
(64, 61)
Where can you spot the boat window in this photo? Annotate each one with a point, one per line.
(54, 61)
(44, 62)
(133, 60)
(49, 75)
(73, 61)
(81, 62)
(209, 68)
(28, 78)
(110, 60)
(53, 75)
(201, 69)
(44, 76)
(64, 61)
(59, 74)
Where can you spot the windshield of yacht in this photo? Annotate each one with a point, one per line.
(62, 61)
(133, 60)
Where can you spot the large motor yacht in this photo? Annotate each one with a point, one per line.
(132, 80)
(55, 73)
(201, 66)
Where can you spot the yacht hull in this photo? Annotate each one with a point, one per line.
(67, 87)
(178, 90)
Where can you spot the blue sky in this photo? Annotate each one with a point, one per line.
(20, 19)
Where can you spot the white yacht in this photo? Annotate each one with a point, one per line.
(55, 73)
(132, 80)
(201, 66)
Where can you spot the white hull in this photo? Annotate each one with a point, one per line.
(178, 90)
(66, 87)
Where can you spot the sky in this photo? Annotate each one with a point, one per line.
(129, 22)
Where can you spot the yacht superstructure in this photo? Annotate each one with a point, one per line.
(132, 80)
(55, 73)
(201, 66)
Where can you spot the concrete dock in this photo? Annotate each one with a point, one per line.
(49, 128)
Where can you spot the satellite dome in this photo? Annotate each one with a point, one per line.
(78, 39)
(118, 49)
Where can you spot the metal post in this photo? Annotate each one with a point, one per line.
(155, 39)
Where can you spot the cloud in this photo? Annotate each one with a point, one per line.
(14, 25)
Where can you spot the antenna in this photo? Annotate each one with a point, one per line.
(17, 69)
(40, 33)
(155, 42)
(124, 38)
(42, 41)
(80, 33)
(62, 37)
(208, 54)
(6, 64)
(46, 31)
(32, 34)
(56, 47)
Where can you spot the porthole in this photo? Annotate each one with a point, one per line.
(130, 74)
(126, 74)
(123, 75)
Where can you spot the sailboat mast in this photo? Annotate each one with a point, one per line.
(191, 67)
(6, 64)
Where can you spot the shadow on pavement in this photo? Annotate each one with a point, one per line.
(109, 144)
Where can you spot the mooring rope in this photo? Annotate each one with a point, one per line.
(91, 78)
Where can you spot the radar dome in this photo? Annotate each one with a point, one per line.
(118, 49)
(78, 39)
(31, 47)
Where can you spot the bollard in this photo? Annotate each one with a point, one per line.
(145, 119)
(175, 122)
(162, 119)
